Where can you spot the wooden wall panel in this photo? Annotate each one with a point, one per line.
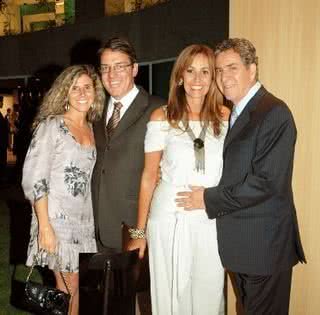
(286, 34)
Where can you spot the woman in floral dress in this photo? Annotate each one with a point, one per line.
(57, 175)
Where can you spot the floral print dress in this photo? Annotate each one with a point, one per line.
(58, 166)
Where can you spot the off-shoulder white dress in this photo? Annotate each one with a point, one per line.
(186, 272)
(56, 165)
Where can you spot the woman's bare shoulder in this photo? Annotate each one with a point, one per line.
(158, 114)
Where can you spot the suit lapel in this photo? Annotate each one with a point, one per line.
(244, 118)
(133, 113)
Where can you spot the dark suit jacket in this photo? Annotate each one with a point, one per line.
(253, 203)
(117, 173)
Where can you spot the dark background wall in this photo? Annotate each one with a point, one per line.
(89, 9)
(157, 33)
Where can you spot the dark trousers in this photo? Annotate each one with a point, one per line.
(264, 295)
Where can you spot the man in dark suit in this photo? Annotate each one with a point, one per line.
(120, 150)
(119, 137)
(257, 225)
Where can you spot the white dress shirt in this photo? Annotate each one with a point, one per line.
(126, 101)
(238, 108)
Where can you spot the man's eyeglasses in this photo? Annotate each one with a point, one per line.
(119, 67)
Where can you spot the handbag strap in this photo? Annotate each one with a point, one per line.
(61, 273)
(65, 282)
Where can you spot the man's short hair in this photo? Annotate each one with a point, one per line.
(242, 46)
(120, 44)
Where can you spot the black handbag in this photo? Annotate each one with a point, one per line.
(41, 299)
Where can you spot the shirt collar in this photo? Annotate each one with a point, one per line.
(242, 104)
(127, 99)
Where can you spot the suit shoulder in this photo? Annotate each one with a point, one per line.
(272, 105)
(156, 101)
(152, 101)
(274, 113)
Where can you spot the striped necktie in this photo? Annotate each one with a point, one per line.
(114, 119)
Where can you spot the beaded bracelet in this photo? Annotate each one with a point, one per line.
(136, 234)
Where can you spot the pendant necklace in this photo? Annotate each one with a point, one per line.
(198, 145)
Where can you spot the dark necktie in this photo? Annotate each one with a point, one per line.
(114, 119)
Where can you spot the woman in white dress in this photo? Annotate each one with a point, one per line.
(184, 138)
(57, 176)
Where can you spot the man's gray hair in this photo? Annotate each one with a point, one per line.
(243, 47)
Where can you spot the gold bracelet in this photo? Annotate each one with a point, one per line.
(136, 234)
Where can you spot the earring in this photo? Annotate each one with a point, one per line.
(92, 106)
(67, 106)
(180, 82)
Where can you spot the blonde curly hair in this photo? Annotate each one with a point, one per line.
(56, 99)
